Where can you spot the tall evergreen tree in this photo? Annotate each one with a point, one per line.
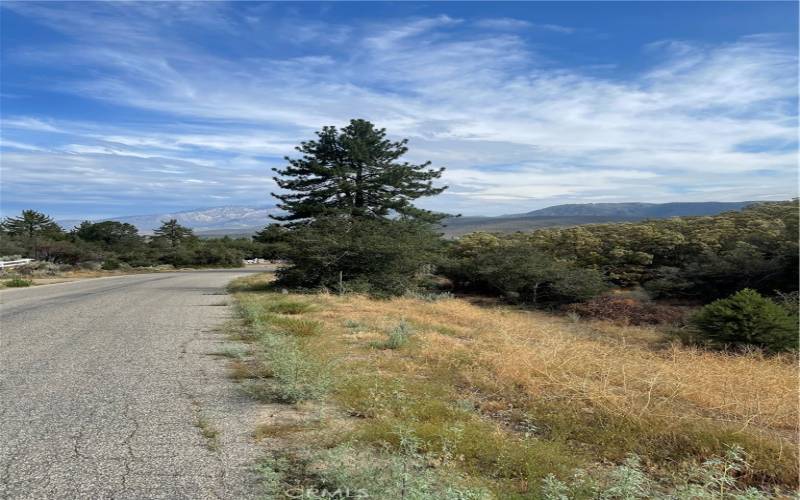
(354, 172)
(30, 224)
(174, 233)
(31, 227)
(110, 234)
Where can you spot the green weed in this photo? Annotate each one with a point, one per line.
(17, 282)
(399, 337)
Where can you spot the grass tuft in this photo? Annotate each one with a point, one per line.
(209, 432)
(232, 352)
(287, 306)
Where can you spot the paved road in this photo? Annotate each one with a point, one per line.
(103, 383)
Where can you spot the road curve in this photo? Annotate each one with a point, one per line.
(106, 384)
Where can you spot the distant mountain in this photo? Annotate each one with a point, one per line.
(456, 226)
(639, 210)
(577, 214)
(242, 220)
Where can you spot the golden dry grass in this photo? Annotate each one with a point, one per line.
(602, 390)
(550, 357)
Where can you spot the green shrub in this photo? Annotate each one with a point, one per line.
(402, 473)
(17, 282)
(747, 318)
(297, 376)
(110, 265)
(378, 257)
(398, 337)
(519, 272)
(714, 479)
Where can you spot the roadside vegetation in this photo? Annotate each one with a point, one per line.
(497, 402)
(16, 282)
(642, 360)
(112, 246)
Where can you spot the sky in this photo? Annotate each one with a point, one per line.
(126, 108)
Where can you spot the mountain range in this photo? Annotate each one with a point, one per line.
(585, 213)
(231, 219)
(239, 220)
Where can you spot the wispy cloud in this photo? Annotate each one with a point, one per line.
(475, 96)
(511, 24)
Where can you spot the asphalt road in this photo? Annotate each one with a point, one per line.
(105, 385)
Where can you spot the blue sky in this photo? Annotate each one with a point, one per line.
(130, 108)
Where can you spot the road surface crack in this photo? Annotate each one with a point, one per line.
(129, 450)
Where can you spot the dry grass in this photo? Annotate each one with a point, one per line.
(530, 393)
(548, 357)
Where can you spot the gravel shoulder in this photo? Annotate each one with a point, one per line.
(109, 389)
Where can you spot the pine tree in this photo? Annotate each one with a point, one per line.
(112, 235)
(174, 233)
(354, 172)
(30, 224)
(30, 227)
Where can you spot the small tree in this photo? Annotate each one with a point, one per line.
(173, 233)
(747, 318)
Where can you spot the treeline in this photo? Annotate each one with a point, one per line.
(113, 244)
(694, 258)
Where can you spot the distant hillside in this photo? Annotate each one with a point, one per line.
(639, 210)
(219, 220)
(585, 213)
(244, 221)
(457, 226)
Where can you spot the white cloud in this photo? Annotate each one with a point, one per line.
(511, 24)
(511, 127)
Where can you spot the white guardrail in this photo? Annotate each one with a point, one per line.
(14, 263)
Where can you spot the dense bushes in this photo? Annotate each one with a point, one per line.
(378, 256)
(628, 311)
(696, 258)
(747, 318)
(486, 264)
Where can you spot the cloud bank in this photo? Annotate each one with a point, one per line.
(220, 94)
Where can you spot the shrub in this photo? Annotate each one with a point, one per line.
(110, 265)
(139, 261)
(404, 473)
(17, 282)
(398, 337)
(520, 273)
(628, 311)
(379, 257)
(713, 479)
(747, 318)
